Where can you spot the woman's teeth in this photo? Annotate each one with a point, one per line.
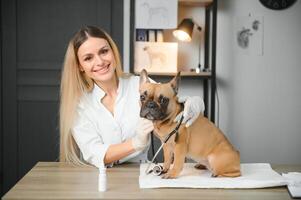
(103, 69)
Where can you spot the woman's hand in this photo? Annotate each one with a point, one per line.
(193, 106)
(140, 140)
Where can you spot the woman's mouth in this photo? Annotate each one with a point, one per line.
(102, 70)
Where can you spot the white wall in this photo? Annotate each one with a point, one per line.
(260, 96)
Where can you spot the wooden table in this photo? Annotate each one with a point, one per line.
(54, 180)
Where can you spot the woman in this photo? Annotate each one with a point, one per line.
(99, 108)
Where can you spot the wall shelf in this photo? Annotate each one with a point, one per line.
(202, 3)
(183, 74)
(209, 74)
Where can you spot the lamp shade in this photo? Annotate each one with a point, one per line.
(184, 30)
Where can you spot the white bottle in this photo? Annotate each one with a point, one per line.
(102, 179)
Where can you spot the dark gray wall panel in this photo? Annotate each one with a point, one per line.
(103, 12)
(40, 65)
(117, 26)
(38, 93)
(45, 27)
(38, 133)
(39, 77)
(9, 89)
(1, 172)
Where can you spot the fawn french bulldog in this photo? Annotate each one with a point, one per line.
(202, 141)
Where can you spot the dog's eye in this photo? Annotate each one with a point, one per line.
(142, 97)
(163, 100)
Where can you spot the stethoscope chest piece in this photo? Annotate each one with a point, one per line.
(157, 170)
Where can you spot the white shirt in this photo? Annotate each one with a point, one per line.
(96, 128)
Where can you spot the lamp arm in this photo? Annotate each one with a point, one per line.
(197, 25)
(199, 57)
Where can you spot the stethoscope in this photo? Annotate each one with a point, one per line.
(158, 169)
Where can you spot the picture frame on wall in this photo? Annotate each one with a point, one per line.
(156, 14)
(156, 57)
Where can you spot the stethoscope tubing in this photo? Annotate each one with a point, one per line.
(147, 171)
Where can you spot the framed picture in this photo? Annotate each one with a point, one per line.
(156, 57)
(156, 14)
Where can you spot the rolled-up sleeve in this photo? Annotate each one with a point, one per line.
(89, 142)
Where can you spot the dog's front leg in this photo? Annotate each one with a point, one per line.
(167, 152)
(179, 159)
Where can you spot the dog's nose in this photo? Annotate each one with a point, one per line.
(151, 104)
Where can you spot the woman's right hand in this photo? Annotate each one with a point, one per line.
(140, 140)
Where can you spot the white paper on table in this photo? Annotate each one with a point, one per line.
(254, 175)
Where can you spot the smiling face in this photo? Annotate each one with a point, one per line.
(96, 59)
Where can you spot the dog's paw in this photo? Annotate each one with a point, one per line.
(164, 171)
(165, 168)
(170, 174)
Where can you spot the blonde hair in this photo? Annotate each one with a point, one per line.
(74, 84)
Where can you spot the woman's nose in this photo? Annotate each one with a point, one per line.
(99, 60)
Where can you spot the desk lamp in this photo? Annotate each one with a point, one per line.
(184, 33)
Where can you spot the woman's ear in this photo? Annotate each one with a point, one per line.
(81, 69)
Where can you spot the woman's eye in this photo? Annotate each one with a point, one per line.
(142, 97)
(87, 58)
(104, 51)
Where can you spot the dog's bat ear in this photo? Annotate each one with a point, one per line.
(144, 77)
(175, 82)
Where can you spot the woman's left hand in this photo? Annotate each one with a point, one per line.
(193, 106)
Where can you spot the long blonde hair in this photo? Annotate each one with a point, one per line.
(74, 84)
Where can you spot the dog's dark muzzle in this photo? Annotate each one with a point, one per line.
(152, 111)
(152, 105)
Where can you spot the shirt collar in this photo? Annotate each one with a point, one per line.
(98, 92)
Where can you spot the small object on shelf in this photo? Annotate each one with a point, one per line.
(195, 70)
(206, 70)
(152, 36)
(198, 70)
(141, 35)
(160, 36)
